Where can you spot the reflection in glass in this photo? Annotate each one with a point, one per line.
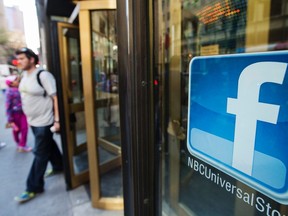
(104, 45)
(80, 162)
(75, 99)
(192, 28)
(81, 137)
(76, 73)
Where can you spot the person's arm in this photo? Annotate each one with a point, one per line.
(56, 113)
(8, 104)
(49, 84)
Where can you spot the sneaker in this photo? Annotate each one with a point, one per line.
(24, 197)
(2, 144)
(51, 172)
(24, 149)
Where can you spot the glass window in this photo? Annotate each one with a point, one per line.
(191, 28)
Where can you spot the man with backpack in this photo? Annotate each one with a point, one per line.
(40, 104)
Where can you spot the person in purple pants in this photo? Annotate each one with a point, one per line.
(15, 115)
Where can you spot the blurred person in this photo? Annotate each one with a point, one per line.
(40, 104)
(15, 115)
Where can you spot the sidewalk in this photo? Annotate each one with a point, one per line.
(55, 201)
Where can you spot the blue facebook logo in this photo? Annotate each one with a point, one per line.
(238, 118)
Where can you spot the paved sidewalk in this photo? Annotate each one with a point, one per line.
(55, 201)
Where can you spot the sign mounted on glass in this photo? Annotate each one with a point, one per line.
(238, 118)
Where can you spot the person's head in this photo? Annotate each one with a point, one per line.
(27, 59)
(12, 81)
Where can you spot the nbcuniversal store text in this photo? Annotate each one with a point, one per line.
(249, 198)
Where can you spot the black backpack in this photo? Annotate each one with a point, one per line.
(39, 82)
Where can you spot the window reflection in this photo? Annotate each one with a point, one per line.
(105, 57)
(75, 98)
(192, 28)
(75, 84)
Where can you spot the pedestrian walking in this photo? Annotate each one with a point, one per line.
(40, 104)
(15, 116)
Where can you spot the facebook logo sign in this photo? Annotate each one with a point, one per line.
(238, 118)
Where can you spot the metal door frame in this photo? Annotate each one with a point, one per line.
(90, 114)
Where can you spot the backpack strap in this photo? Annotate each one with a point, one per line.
(39, 82)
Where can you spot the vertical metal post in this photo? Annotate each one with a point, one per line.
(136, 106)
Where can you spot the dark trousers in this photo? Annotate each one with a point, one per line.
(45, 150)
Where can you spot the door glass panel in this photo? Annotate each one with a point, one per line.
(187, 29)
(76, 73)
(81, 155)
(81, 137)
(77, 138)
(104, 45)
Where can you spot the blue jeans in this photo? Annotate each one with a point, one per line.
(45, 150)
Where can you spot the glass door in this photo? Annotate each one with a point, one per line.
(98, 32)
(104, 46)
(74, 137)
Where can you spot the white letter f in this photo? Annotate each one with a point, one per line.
(248, 110)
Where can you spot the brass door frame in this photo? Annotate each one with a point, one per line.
(90, 106)
(76, 179)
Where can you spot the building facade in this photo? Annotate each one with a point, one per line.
(15, 27)
(12, 33)
(2, 15)
(147, 91)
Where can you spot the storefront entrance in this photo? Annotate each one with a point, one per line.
(155, 42)
(90, 103)
(100, 80)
